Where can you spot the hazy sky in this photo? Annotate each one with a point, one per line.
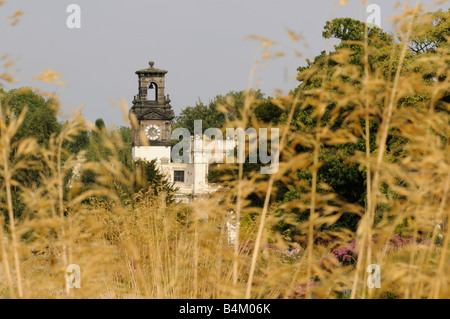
(203, 44)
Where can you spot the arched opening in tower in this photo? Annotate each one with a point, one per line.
(152, 92)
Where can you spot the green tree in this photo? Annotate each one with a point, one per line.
(40, 123)
(100, 124)
(80, 142)
(97, 149)
(149, 180)
(209, 115)
(268, 112)
(430, 33)
(344, 178)
(125, 153)
(41, 120)
(223, 108)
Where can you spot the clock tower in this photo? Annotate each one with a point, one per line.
(154, 115)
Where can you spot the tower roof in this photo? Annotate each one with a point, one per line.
(151, 70)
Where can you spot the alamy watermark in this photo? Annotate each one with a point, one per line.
(73, 276)
(74, 19)
(374, 17)
(374, 279)
(203, 146)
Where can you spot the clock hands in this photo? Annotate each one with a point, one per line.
(153, 132)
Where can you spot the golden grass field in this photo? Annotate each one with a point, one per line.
(146, 248)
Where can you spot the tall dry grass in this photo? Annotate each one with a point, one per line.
(147, 248)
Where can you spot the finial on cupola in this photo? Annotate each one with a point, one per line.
(152, 63)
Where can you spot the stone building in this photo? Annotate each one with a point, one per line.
(152, 137)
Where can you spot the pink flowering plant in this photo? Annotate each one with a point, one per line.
(346, 255)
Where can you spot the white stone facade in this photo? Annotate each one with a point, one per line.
(149, 153)
(194, 173)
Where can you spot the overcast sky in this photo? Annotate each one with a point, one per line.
(203, 44)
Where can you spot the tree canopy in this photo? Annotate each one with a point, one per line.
(40, 121)
(225, 108)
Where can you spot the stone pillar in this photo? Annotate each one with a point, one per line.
(198, 171)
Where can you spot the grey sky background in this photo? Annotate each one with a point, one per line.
(203, 44)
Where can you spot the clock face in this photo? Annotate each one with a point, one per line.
(153, 132)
